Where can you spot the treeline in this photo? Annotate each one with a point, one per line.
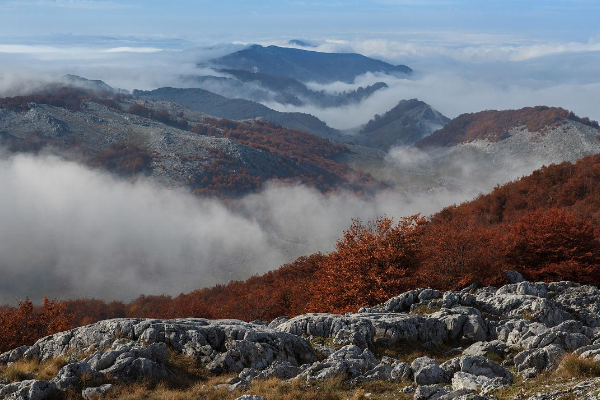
(62, 96)
(495, 125)
(545, 226)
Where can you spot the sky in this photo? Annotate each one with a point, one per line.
(200, 20)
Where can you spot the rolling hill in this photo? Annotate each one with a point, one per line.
(404, 125)
(495, 126)
(238, 109)
(306, 66)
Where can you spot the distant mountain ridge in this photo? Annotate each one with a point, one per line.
(304, 65)
(238, 109)
(406, 123)
(95, 85)
(265, 88)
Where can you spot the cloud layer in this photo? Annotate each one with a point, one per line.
(68, 231)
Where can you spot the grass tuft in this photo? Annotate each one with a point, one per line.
(32, 369)
(408, 351)
(574, 366)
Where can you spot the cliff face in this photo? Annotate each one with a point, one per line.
(490, 337)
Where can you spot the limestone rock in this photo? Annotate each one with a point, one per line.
(349, 362)
(28, 390)
(427, 371)
(96, 392)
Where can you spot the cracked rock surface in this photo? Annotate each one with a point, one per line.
(526, 326)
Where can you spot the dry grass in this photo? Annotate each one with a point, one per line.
(424, 310)
(571, 371)
(32, 369)
(334, 389)
(188, 372)
(573, 366)
(408, 351)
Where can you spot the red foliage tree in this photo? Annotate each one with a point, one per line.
(554, 244)
(25, 324)
(372, 263)
(455, 253)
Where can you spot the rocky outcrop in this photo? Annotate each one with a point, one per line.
(364, 329)
(530, 326)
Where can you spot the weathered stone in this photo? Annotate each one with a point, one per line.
(28, 390)
(251, 397)
(538, 359)
(514, 276)
(495, 347)
(349, 362)
(427, 371)
(481, 366)
(70, 375)
(426, 392)
(93, 393)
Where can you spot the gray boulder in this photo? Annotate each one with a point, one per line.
(463, 323)
(532, 361)
(426, 392)
(96, 392)
(388, 369)
(481, 366)
(280, 369)
(70, 375)
(483, 349)
(427, 371)
(514, 276)
(364, 329)
(28, 390)
(349, 362)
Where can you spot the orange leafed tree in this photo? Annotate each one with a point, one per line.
(555, 244)
(372, 263)
(455, 253)
(24, 324)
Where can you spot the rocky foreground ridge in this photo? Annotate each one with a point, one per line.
(493, 338)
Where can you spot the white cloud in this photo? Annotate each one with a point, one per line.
(132, 50)
(68, 231)
(460, 46)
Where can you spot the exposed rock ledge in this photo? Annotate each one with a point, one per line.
(526, 326)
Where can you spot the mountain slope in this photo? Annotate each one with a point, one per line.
(495, 125)
(305, 66)
(475, 152)
(172, 144)
(96, 86)
(405, 124)
(238, 109)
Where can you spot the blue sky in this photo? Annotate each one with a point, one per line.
(205, 20)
